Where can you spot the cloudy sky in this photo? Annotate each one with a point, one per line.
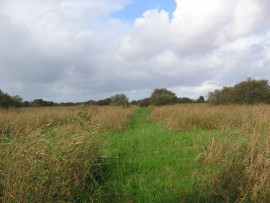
(77, 50)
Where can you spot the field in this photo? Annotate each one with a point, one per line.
(237, 158)
(177, 153)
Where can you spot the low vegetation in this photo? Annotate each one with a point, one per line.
(52, 154)
(237, 158)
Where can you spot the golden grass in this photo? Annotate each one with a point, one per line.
(246, 118)
(51, 154)
(14, 122)
(238, 158)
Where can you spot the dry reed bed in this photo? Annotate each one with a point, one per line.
(55, 156)
(14, 122)
(238, 158)
(202, 116)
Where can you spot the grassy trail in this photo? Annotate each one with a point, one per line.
(150, 163)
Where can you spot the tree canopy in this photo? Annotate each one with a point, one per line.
(162, 97)
(7, 101)
(246, 92)
(119, 100)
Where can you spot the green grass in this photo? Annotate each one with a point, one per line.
(149, 163)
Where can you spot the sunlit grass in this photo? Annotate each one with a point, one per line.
(149, 163)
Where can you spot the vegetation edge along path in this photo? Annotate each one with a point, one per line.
(149, 163)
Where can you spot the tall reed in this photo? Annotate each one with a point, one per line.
(246, 118)
(14, 122)
(55, 154)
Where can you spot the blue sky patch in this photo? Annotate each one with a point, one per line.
(136, 8)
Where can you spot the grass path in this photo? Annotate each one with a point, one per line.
(150, 163)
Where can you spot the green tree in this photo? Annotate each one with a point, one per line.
(134, 102)
(104, 102)
(92, 102)
(200, 99)
(17, 101)
(246, 92)
(252, 91)
(5, 100)
(37, 103)
(26, 104)
(213, 97)
(184, 100)
(120, 100)
(144, 102)
(162, 97)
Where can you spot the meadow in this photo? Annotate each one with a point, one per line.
(236, 160)
(174, 153)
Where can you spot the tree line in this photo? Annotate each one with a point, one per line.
(7, 101)
(246, 92)
(162, 96)
(249, 91)
(159, 97)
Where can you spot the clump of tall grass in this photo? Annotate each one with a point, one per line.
(237, 160)
(14, 122)
(54, 162)
(237, 170)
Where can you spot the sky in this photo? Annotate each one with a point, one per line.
(78, 50)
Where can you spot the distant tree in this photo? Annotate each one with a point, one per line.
(144, 102)
(17, 101)
(49, 103)
(26, 104)
(252, 91)
(134, 102)
(184, 100)
(246, 92)
(120, 100)
(227, 95)
(162, 97)
(200, 99)
(91, 102)
(104, 102)
(214, 97)
(37, 103)
(68, 104)
(5, 100)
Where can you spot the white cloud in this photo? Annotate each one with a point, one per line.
(76, 50)
(84, 34)
(195, 92)
(149, 35)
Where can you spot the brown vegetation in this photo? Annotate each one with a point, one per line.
(51, 154)
(21, 121)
